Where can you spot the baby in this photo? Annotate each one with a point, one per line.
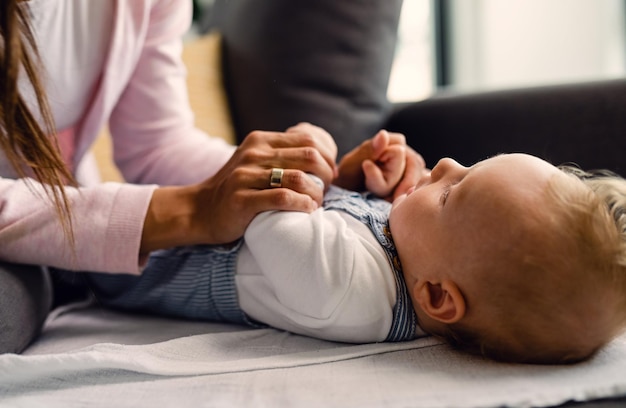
(512, 258)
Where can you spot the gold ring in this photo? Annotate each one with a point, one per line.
(276, 177)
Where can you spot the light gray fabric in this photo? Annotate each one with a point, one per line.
(25, 299)
(160, 362)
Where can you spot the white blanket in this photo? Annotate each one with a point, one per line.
(147, 362)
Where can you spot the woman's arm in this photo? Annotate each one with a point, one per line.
(219, 209)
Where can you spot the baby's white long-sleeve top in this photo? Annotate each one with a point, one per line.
(333, 280)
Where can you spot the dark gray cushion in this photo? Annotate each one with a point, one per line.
(324, 61)
(584, 123)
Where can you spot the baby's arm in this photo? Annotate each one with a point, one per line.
(320, 276)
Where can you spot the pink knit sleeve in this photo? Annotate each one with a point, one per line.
(152, 125)
(108, 222)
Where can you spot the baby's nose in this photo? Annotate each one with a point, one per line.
(443, 167)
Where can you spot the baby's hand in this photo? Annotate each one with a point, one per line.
(385, 169)
(378, 164)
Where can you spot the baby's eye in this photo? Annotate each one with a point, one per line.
(444, 195)
(446, 192)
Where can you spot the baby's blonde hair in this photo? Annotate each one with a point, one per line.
(566, 295)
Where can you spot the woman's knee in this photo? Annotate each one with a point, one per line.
(25, 300)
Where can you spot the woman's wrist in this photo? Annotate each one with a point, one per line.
(170, 219)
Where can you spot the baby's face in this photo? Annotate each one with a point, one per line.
(457, 215)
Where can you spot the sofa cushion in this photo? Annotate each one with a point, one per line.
(326, 62)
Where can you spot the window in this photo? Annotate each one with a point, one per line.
(485, 44)
(495, 43)
(413, 70)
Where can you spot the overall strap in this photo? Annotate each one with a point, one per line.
(374, 212)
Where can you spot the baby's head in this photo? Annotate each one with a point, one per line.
(514, 258)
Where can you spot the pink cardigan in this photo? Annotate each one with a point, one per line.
(143, 96)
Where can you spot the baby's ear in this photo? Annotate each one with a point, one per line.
(441, 301)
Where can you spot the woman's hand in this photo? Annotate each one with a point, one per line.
(219, 209)
(384, 165)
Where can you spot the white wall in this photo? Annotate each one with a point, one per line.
(413, 71)
(507, 43)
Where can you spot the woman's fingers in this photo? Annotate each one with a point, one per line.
(316, 137)
(301, 135)
(258, 201)
(291, 179)
(305, 147)
(305, 159)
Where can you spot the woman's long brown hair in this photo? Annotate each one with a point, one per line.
(28, 145)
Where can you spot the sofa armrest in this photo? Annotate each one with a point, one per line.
(583, 123)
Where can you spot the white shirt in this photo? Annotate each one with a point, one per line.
(73, 42)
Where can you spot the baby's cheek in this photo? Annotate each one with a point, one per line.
(395, 216)
(396, 202)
